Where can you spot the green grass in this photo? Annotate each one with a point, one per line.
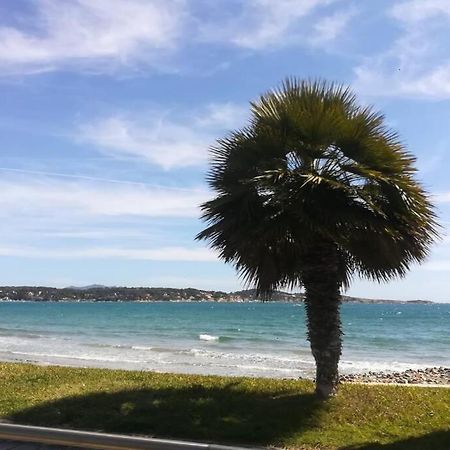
(249, 411)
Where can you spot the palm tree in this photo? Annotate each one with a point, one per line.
(316, 189)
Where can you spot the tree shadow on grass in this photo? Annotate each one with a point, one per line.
(227, 414)
(437, 440)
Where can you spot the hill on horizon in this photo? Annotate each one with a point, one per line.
(98, 292)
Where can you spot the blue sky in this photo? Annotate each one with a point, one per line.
(108, 108)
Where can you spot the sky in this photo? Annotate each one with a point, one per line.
(108, 108)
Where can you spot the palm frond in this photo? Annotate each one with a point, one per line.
(313, 166)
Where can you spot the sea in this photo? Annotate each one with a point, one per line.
(252, 339)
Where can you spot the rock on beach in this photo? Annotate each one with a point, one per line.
(430, 375)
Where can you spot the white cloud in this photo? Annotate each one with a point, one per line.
(374, 80)
(417, 64)
(101, 233)
(163, 143)
(414, 11)
(106, 35)
(97, 34)
(271, 21)
(436, 266)
(50, 218)
(157, 254)
(329, 28)
(441, 197)
(262, 24)
(223, 116)
(162, 138)
(26, 198)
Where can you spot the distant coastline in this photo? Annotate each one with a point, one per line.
(152, 294)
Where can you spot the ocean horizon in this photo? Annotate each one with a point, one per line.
(248, 339)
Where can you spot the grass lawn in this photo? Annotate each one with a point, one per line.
(248, 411)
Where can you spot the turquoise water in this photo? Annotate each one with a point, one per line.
(258, 339)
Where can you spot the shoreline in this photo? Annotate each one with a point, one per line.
(430, 374)
(427, 377)
(356, 301)
(146, 294)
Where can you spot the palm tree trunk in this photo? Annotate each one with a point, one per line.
(322, 300)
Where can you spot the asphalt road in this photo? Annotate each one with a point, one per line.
(14, 445)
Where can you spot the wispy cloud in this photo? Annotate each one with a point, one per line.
(109, 35)
(437, 266)
(330, 27)
(415, 11)
(44, 195)
(441, 197)
(163, 138)
(269, 23)
(417, 64)
(156, 254)
(96, 34)
(72, 176)
(263, 24)
(58, 218)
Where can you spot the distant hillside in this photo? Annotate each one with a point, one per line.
(149, 294)
(84, 288)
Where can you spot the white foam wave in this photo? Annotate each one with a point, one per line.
(378, 366)
(208, 337)
(76, 357)
(259, 357)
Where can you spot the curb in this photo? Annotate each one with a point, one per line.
(91, 440)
